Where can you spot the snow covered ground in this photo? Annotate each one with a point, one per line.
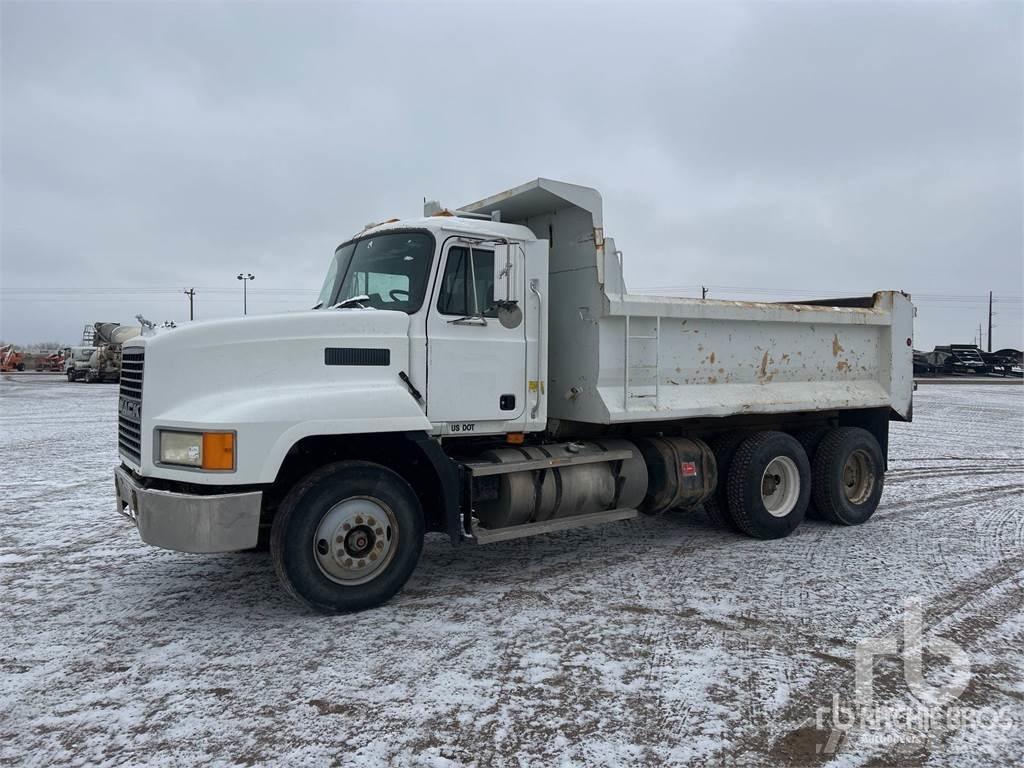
(645, 642)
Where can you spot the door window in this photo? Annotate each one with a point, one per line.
(467, 286)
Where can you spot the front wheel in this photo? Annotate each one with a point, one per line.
(347, 537)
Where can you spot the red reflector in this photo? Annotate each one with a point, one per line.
(689, 468)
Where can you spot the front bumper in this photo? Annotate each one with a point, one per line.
(190, 523)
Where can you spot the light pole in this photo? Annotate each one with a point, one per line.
(245, 278)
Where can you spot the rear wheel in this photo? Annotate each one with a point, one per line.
(347, 537)
(810, 439)
(849, 473)
(717, 506)
(769, 485)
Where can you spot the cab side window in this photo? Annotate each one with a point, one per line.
(457, 296)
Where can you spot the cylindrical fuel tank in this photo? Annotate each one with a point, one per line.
(575, 489)
(681, 472)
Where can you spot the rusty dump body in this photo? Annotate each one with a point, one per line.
(616, 357)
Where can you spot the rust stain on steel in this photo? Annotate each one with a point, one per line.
(764, 367)
(712, 358)
(836, 346)
(842, 365)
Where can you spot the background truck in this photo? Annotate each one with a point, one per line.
(105, 360)
(76, 362)
(484, 373)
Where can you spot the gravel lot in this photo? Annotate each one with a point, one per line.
(652, 641)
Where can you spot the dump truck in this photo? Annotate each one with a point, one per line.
(484, 373)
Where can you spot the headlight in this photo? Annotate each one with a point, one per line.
(203, 450)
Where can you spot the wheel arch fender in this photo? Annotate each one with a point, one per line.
(413, 454)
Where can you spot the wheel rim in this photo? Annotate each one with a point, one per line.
(355, 540)
(858, 477)
(780, 486)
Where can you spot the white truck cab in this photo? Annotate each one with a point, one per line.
(76, 362)
(485, 373)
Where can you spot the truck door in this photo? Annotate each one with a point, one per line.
(476, 337)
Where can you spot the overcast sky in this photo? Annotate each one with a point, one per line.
(768, 151)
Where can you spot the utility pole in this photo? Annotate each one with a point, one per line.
(191, 293)
(980, 338)
(245, 277)
(990, 321)
(703, 291)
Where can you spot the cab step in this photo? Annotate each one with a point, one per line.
(489, 536)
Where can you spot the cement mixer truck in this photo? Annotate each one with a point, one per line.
(483, 372)
(105, 360)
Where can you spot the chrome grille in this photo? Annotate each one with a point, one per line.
(129, 405)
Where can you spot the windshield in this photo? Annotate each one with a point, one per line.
(391, 269)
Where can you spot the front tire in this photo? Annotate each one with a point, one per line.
(769, 485)
(849, 473)
(347, 537)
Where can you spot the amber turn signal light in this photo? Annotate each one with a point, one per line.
(218, 450)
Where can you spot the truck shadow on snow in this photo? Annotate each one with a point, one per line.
(244, 584)
(244, 587)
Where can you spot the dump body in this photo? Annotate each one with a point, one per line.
(616, 357)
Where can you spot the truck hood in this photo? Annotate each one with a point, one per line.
(264, 351)
(295, 373)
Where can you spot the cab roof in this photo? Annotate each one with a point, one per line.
(455, 225)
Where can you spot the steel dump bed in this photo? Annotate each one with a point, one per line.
(616, 357)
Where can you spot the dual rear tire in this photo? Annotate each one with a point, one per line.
(768, 485)
(768, 481)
